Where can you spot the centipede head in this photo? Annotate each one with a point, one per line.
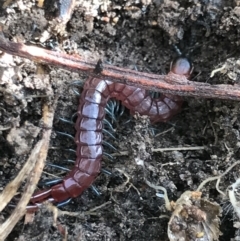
(182, 66)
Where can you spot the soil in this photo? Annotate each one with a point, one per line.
(143, 35)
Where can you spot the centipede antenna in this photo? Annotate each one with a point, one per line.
(64, 203)
(65, 134)
(107, 155)
(105, 121)
(105, 143)
(108, 133)
(106, 172)
(66, 121)
(94, 189)
(58, 167)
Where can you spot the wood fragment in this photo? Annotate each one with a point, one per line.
(33, 170)
(170, 84)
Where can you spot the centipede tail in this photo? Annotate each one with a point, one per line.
(89, 125)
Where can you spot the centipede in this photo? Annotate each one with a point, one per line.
(89, 126)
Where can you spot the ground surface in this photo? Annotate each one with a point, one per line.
(131, 34)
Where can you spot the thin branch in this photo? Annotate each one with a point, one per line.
(203, 183)
(182, 148)
(33, 169)
(171, 83)
(10, 190)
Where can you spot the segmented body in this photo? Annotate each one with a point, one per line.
(91, 112)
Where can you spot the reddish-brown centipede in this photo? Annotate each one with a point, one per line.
(89, 127)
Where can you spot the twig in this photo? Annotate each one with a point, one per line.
(171, 83)
(165, 195)
(164, 132)
(126, 182)
(218, 178)
(33, 168)
(80, 215)
(10, 190)
(182, 148)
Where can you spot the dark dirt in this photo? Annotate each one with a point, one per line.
(131, 34)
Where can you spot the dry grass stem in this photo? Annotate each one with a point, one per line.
(33, 170)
